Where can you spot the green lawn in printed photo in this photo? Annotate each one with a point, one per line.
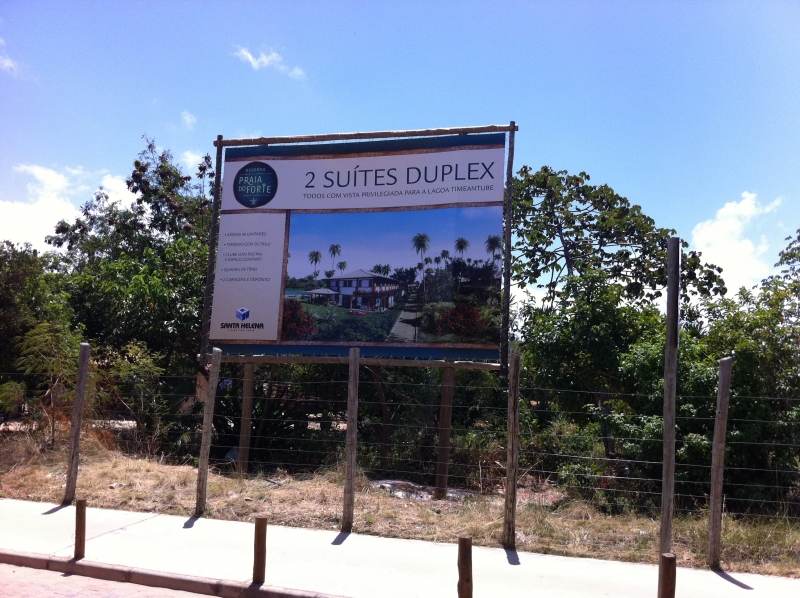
(335, 323)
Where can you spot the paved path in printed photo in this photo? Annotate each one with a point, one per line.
(352, 565)
(404, 330)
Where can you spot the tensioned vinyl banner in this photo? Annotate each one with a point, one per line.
(391, 246)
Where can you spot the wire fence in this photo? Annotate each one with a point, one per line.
(589, 462)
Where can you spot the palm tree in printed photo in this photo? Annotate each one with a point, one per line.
(335, 250)
(493, 247)
(342, 266)
(314, 258)
(461, 246)
(421, 242)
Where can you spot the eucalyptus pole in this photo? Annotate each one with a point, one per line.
(670, 391)
(75, 429)
(718, 463)
(211, 266)
(205, 444)
(507, 212)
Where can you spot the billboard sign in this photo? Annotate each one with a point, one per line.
(390, 246)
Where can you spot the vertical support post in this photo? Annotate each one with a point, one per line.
(507, 213)
(670, 390)
(512, 455)
(445, 421)
(260, 551)
(80, 528)
(350, 444)
(666, 576)
(464, 567)
(718, 463)
(247, 416)
(211, 266)
(75, 430)
(205, 445)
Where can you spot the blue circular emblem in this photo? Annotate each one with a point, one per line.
(255, 185)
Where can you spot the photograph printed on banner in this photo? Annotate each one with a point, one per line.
(411, 276)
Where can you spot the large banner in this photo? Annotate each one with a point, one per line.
(391, 246)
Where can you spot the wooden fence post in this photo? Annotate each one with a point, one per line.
(445, 421)
(350, 444)
(247, 415)
(205, 445)
(80, 528)
(670, 390)
(718, 463)
(260, 551)
(666, 576)
(512, 454)
(464, 567)
(75, 430)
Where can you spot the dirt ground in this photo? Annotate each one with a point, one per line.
(547, 521)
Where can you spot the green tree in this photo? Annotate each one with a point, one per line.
(342, 266)
(565, 227)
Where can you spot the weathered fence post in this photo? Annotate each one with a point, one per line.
(718, 463)
(666, 576)
(205, 445)
(80, 528)
(75, 430)
(260, 551)
(464, 567)
(670, 390)
(350, 443)
(445, 421)
(247, 415)
(512, 454)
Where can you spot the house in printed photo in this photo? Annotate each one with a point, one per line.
(359, 289)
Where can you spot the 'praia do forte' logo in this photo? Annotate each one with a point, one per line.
(255, 185)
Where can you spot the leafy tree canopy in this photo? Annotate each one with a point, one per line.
(566, 227)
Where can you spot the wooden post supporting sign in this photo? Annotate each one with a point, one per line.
(507, 224)
(247, 414)
(718, 463)
(205, 445)
(75, 430)
(666, 576)
(350, 443)
(512, 454)
(445, 422)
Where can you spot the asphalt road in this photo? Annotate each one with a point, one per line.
(22, 582)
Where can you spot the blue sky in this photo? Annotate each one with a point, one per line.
(370, 238)
(690, 109)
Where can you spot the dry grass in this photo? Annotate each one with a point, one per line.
(546, 522)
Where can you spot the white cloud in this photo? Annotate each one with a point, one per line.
(31, 221)
(189, 119)
(117, 189)
(273, 59)
(6, 64)
(723, 242)
(50, 199)
(190, 160)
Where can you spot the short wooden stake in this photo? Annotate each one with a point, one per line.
(80, 528)
(666, 576)
(247, 415)
(205, 445)
(445, 421)
(350, 443)
(670, 391)
(464, 567)
(75, 430)
(718, 463)
(509, 539)
(260, 551)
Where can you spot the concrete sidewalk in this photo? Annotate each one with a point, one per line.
(348, 565)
